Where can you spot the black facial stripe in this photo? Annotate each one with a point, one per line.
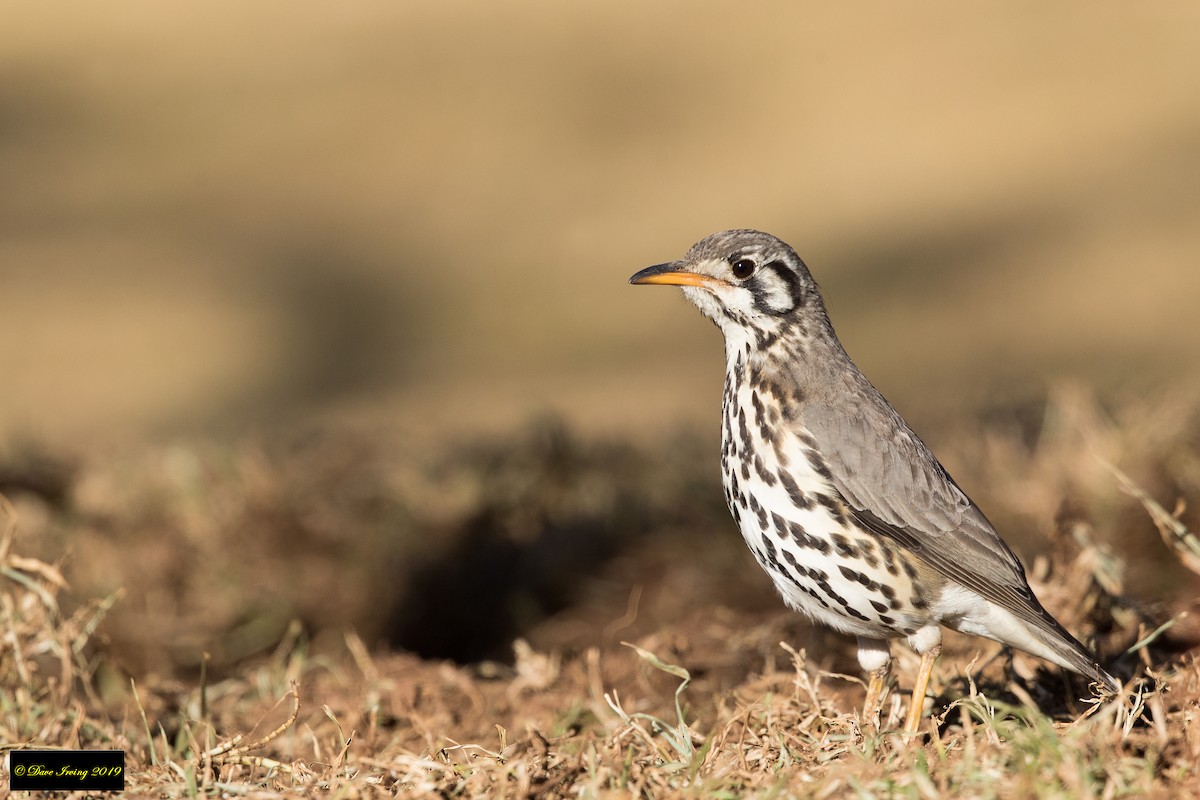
(790, 279)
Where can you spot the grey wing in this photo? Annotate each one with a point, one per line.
(897, 488)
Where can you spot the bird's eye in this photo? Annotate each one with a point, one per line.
(743, 268)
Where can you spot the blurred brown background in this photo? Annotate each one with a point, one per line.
(228, 229)
(424, 213)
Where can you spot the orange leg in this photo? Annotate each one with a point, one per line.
(870, 715)
(913, 721)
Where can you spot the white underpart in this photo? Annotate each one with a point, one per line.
(967, 611)
(815, 520)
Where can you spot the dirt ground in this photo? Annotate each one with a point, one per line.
(544, 615)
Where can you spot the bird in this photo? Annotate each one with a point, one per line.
(854, 519)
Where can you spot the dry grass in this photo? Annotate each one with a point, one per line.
(709, 703)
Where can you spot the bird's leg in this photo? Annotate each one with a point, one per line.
(875, 686)
(875, 658)
(913, 721)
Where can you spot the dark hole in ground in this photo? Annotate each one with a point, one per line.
(552, 512)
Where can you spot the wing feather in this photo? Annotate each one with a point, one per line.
(896, 488)
(899, 489)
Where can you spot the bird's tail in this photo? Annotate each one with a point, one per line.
(1060, 647)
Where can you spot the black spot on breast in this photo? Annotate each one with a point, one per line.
(780, 455)
(770, 548)
(764, 474)
(774, 567)
(818, 464)
(767, 339)
(799, 499)
(765, 431)
(834, 506)
(866, 552)
(889, 560)
(779, 524)
(757, 509)
(804, 539)
(878, 606)
(823, 585)
(843, 546)
(857, 577)
(886, 620)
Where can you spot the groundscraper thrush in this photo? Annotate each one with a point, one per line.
(856, 522)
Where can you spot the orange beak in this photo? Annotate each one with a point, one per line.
(671, 275)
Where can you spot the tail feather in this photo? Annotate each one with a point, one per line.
(1038, 633)
(1074, 656)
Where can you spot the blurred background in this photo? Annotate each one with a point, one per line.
(420, 218)
(427, 211)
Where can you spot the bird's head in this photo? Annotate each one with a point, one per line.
(741, 279)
